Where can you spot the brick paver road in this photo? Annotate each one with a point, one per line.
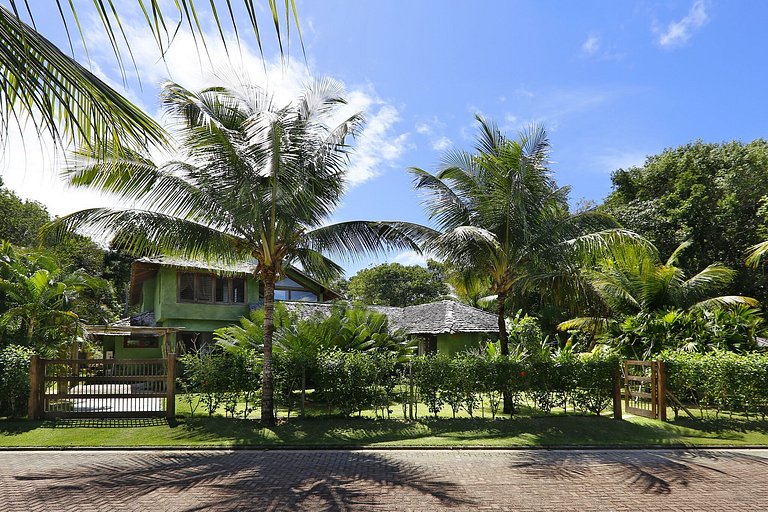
(384, 480)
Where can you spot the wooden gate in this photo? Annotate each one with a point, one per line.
(645, 389)
(102, 388)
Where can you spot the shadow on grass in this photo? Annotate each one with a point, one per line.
(518, 431)
(13, 427)
(723, 424)
(107, 423)
(646, 471)
(339, 480)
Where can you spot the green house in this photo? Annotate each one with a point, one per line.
(181, 302)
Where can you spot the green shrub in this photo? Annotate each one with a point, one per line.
(720, 380)
(14, 380)
(430, 374)
(216, 378)
(355, 381)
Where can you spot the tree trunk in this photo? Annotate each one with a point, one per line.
(504, 344)
(503, 336)
(267, 387)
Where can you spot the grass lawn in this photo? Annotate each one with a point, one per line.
(520, 431)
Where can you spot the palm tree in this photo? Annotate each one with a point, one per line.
(252, 181)
(40, 303)
(63, 98)
(634, 281)
(504, 220)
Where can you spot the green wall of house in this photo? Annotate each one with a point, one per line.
(116, 345)
(459, 342)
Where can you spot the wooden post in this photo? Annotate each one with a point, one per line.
(626, 386)
(34, 388)
(170, 385)
(662, 390)
(617, 393)
(411, 397)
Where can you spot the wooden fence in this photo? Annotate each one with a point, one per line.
(102, 388)
(645, 389)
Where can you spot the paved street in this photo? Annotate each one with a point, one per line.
(384, 480)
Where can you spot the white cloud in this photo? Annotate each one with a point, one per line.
(33, 173)
(376, 146)
(432, 129)
(410, 258)
(441, 143)
(614, 159)
(678, 33)
(591, 45)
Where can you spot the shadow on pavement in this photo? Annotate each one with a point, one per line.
(332, 481)
(647, 471)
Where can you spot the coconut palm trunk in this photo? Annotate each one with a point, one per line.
(267, 385)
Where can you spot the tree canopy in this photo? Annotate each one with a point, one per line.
(715, 195)
(393, 284)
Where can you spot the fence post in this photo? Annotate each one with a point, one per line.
(617, 393)
(34, 388)
(662, 390)
(411, 396)
(170, 388)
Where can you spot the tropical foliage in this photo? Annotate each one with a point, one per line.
(42, 306)
(503, 218)
(254, 181)
(648, 304)
(713, 194)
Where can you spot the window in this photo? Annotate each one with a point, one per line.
(204, 288)
(238, 290)
(138, 341)
(303, 295)
(222, 290)
(186, 286)
(288, 289)
(207, 289)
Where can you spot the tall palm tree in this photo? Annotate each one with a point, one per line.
(60, 97)
(252, 181)
(504, 219)
(634, 281)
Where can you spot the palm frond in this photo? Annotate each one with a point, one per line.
(594, 325)
(726, 301)
(756, 253)
(352, 238)
(316, 265)
(142, 232)
(60, 96)
(675, 256)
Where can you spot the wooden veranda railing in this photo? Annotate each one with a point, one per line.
(102, 388)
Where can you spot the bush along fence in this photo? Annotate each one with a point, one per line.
(719, 381)
(349, 383)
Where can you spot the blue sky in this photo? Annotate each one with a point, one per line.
(611, 81)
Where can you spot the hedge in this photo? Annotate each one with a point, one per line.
(722, 380)
(14, 380)
(351, 382)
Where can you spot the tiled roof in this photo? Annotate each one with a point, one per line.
(445, 316)
(238, 268)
